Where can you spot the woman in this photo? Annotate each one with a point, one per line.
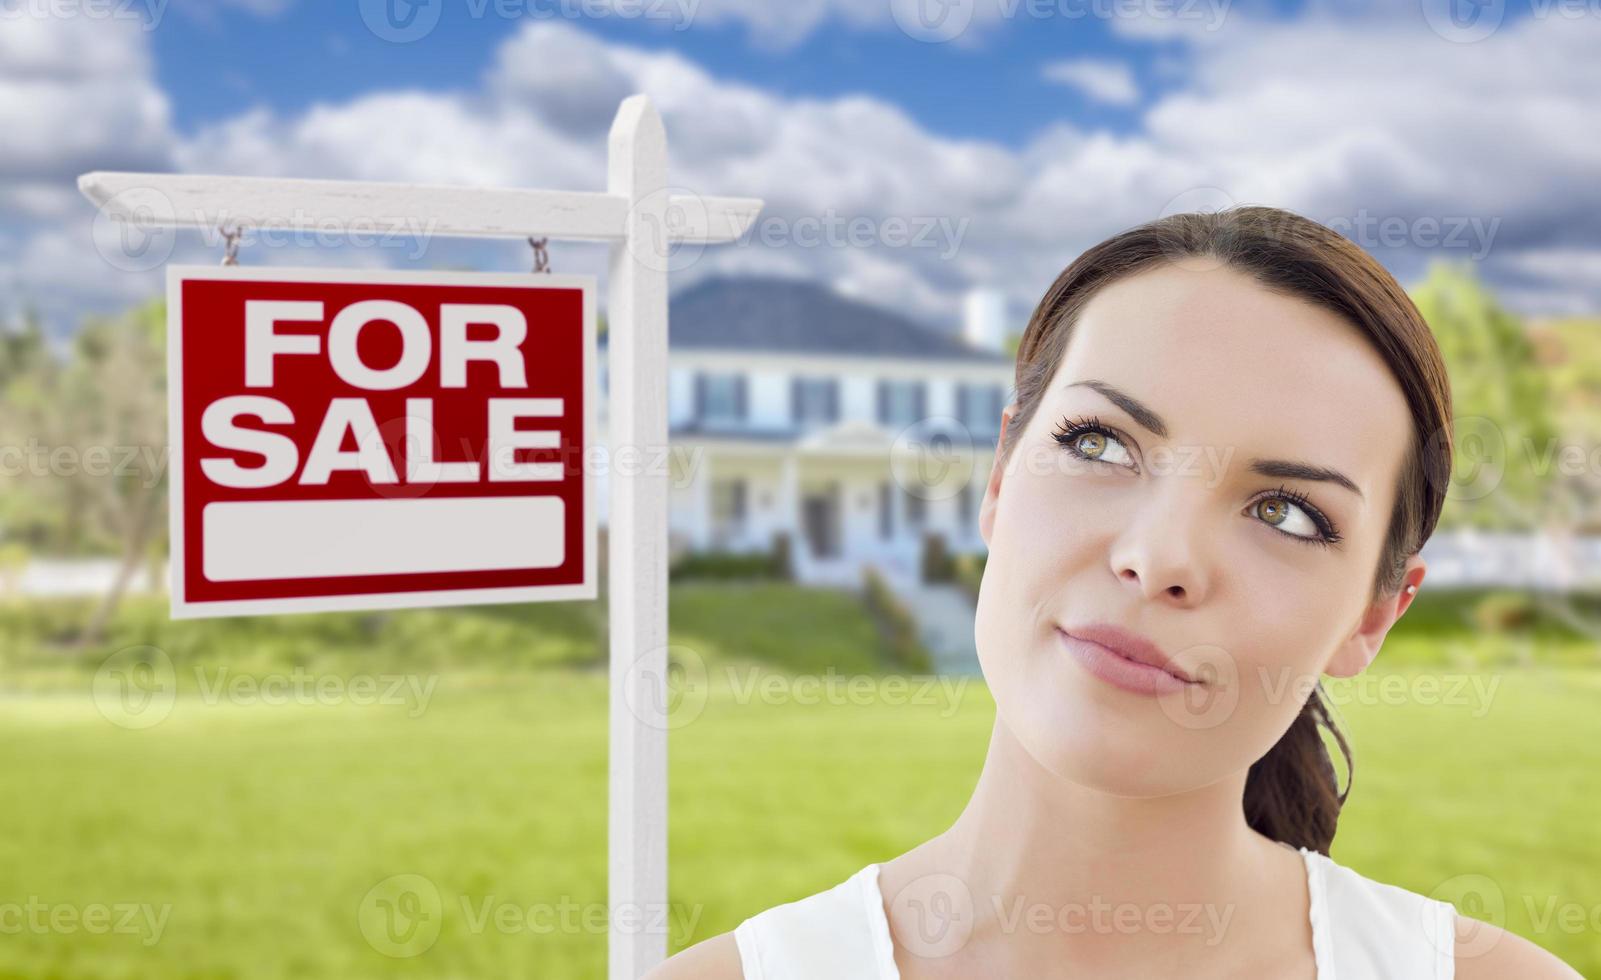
(1230, 440)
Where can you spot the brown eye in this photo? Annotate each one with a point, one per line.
(1287, 516)
(1089, 440)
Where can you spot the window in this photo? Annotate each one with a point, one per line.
(964, 504)
(979, 407)
(720, 397)
(728, 509)
(916, 508)
(814, 400)
(900, 403)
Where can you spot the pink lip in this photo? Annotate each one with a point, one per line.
(1124, 659)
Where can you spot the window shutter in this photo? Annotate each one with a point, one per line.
(886, 520)
(739, 397)
(921, 401)
(833, 399)
(883, 401)
(914, 508)
(739, 501)
(700, 396)
(795, 401)
(964, 404)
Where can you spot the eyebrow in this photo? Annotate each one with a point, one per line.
(1153, 423)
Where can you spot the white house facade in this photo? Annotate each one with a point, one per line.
(853, 431)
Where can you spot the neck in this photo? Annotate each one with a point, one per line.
(1031, 842)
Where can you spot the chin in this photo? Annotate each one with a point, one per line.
(1077, 728)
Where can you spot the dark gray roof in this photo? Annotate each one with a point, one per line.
(791, 316)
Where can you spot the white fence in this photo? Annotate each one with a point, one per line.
(1518, 561)
(55, 578)
(1455, 559)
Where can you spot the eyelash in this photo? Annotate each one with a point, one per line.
(1328, 535)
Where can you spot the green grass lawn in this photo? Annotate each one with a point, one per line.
(245, 838)
(264, 829)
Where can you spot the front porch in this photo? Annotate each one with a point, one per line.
(845, 498)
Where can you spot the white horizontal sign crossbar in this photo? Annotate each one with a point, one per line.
(201, 201)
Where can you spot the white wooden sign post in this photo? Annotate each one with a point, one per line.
(642, 220)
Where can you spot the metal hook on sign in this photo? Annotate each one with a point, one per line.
(230, 238)
(541, 254)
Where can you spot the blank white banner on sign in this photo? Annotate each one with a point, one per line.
(291, 539)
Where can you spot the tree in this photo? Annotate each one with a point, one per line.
(92, 433)
(1504, 424)
(22, 348)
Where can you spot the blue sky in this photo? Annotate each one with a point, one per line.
(1036, 130)
(211, 65)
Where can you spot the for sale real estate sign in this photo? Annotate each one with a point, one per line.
(365, 440)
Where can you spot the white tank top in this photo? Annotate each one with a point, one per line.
(1361, 930)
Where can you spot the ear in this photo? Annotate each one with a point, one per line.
(992, 489)
(1361, 647)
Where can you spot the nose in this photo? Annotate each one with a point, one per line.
(1162, 552)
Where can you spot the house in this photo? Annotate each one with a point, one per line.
(852, 430)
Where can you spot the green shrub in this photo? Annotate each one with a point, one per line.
(725, 565)
(968, 571)
(937, 565)
(782, 564)
(1501, 612)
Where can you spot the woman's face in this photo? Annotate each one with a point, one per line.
(1174, 525)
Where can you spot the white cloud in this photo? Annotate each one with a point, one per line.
(1363, 125)
(76, 94)
(1100, 79)
(74, 90)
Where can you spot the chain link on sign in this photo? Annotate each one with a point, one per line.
(230, 239)
(541, 254)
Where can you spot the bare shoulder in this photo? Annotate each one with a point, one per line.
(1485, 951)
(716, 958)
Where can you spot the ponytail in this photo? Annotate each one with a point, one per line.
(1292, 794)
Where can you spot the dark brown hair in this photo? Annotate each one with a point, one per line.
(1292, 793)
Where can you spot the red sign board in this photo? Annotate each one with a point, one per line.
(368, 440)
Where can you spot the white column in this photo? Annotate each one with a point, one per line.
(789, 509)
(702, 483)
